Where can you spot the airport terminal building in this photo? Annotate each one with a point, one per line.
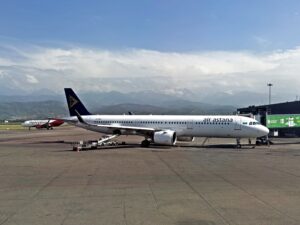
(283, 119)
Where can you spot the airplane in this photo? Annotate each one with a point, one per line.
(40, 124)
(164, 129)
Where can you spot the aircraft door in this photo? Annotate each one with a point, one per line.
(238, 123)
(190, 124)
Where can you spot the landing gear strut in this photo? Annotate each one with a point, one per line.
(205, 140)
(250, 143)
(238, 143)
(145, 143)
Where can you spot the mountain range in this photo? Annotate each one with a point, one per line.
(47, 104)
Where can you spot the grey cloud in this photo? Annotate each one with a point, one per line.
(138, 69)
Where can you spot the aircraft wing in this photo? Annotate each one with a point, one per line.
(44, 125)
(122, 129)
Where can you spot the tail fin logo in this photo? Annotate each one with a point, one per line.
(72, 101)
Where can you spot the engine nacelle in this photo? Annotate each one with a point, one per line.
(165, 137)
(185, 138)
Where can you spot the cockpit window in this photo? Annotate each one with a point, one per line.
(254, 123)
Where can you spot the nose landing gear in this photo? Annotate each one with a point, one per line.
(264, 141)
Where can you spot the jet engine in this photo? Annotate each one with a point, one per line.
(185, 138)
(165, 137)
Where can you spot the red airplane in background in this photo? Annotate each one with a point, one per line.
(40, 124)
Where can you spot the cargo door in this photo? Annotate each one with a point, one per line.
(238, 123)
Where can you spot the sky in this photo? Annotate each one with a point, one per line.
(215, 46)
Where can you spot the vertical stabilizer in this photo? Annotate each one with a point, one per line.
(74, 103)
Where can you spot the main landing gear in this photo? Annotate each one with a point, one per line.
(145, 143)
(250, 143)
(238, 143)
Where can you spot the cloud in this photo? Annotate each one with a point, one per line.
(31, 79)
(262, 42)
(140, 69)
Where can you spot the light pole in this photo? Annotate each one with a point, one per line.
(270, 86)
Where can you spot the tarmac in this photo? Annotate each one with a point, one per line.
(42, 181)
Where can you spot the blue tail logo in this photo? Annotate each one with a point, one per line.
(74, 103)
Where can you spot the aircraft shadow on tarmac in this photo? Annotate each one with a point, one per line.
(217, 146)
(158, 148)
(119, 147)
(153, 147)
(286, 143)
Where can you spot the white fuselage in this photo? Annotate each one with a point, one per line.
(192, 126)
(34, 123)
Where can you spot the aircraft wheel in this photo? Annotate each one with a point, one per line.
(145, 143)
(238, 143)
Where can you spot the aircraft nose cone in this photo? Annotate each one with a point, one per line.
(264, 131)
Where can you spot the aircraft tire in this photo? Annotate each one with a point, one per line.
(145, 143)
